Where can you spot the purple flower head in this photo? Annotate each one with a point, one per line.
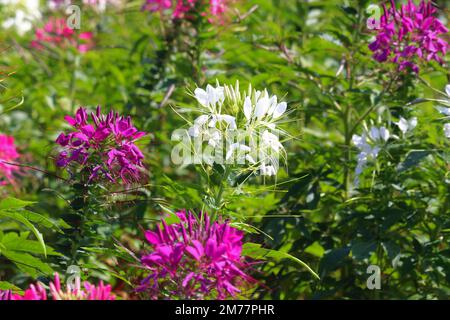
(195, 260)
(104, 147)
(409, 35)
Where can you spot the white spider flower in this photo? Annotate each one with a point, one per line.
(369, 145)
(244, 125)
(22, 14)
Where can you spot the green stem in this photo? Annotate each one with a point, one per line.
(219, 195)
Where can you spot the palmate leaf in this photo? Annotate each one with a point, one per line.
(28, 263)
(13, 209)
(255, 251)
(18, 217)
(12, 241)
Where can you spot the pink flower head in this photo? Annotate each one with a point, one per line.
(104, 147)
(409, 34)
(90, 291)
(37, 292)
(8, 153)
(57, 33)
(195, 259)
(180, 9)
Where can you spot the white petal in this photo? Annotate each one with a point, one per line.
(201, 120)
(447, 90)
(402, 125)
(412, 123)
(358, 140)
(230, 120)
(273, 105)
(248, 108)
(279, 110)
(245, 148)
(262, 106)
(384, 134)
(201, 96)
(374, 133)
(250, 159)
(444, 111)
(447, 130)
(194, 131)
(213, 122)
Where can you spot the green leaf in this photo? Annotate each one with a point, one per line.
(12, 242)
(18, 217)
(255, 251)
(13, 203)
(332, 260)
(4, 285)
(413, 158)
(362, 249)
(28, 262)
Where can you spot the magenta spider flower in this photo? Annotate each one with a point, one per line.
(104, 147)
(90, 291)
(195, 260)
(38, 292)
(409, 34)
(181, 9)
(56, 32)
(8, 154)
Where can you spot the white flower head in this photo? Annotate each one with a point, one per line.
(247, 123)
(369, 145)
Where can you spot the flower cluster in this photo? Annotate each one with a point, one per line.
(25, 13)
(195, 259)
(369, 145)
(408, 34)
(38, 292)
(105, 149)
(181, 9)
(56, 32)
(240, 129)
(8, 153)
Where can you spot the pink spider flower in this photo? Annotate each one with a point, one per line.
(409, 34)
(104, 147)
(195, 260)
(38, 292)
(57, 33)
(181, 9)
(8, 154)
